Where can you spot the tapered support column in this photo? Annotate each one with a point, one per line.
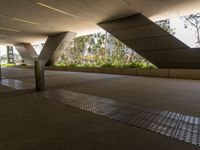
(52, 50)
(27, 52)
(39, 75)
(55, 46)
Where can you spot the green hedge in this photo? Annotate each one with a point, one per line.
(132, 65)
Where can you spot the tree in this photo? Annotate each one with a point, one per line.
(98, 49)
(165, 24)
(193, 21)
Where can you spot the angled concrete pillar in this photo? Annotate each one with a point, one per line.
(153, 42)
(27, 52)
(55, 46)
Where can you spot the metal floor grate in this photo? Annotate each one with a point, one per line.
(171, 124)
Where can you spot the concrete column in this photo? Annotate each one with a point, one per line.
(55, 46)
(39, 75)
(0, 66)
(27, 52)
(0, 70)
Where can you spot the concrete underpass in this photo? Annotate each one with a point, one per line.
(125, 109)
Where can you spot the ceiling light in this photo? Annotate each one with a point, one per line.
(8, 29)
(58, 10)
(25, 21)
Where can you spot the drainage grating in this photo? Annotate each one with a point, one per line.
(171, 124)
(16, 84)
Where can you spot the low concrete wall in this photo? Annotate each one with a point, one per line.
(106, 70)
(153, 72)
(184, 73)
(163, 73)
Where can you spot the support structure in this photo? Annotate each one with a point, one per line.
(55, 46)
(39, 75)
(0, 68)
(152, 42)
(52, 50)
(27, 52)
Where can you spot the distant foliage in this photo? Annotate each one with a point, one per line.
(165, 24)
(100, 50)
(193, 22)
(7, 65)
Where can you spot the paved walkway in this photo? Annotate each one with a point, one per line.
(32, 122)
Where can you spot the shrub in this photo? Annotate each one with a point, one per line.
(141, 65)
(8, 65)
(106, 65)
(71, 65)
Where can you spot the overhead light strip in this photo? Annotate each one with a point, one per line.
(25, 21)
(58, 10)
(8, 29)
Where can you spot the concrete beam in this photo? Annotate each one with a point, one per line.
(152, 42)
(27, 52)
(55, 46)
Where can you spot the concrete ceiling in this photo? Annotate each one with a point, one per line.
(33, 20)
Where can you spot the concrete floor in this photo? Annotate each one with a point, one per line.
(31, 122)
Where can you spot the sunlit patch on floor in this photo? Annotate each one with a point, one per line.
(16, 84)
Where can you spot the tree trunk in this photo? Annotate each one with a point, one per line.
(129, 57)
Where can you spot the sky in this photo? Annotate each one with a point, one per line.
(187, 36)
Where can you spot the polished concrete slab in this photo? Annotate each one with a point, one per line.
(32, 122)
(5, 89)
